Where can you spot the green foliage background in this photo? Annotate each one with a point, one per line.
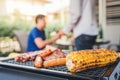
(7, 26)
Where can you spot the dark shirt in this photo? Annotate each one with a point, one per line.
(34, 33)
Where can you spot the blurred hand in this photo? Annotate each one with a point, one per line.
(60, 32)
(57, 36)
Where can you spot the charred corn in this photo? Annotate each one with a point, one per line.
(87, 59)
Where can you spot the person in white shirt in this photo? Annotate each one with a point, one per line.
(83, 23)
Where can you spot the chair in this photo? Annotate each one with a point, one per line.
(22, 39)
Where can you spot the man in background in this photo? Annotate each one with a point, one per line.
(37, 39)
(83, 23)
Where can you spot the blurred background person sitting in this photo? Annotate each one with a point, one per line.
(37, 39)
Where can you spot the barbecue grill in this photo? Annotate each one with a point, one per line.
(111, 72)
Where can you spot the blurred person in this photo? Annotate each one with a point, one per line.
(37, 39)
(83, 23)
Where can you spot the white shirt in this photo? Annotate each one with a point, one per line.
(87, 24)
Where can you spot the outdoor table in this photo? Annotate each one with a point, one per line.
(100, 43)
(66, 44)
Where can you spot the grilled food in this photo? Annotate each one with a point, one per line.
(55, 54)
(45, 53)
(56, 58)
(47, 57)
(38, 62)
(24, 57)
(30, 56)
(54, 62)
(87, 59)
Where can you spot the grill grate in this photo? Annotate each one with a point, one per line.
(104, 73)
(92, 72)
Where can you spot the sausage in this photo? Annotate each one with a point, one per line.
(38, 62)
(45, 53)
(54, 62)
(56, 54)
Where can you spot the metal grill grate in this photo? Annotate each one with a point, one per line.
(104, 73)
(92, 72)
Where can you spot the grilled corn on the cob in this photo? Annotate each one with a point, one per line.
(87, 59)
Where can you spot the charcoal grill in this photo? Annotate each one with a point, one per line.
(111, 72)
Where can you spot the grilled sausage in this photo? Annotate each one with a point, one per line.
(54, 62)
(56, 54)
(45, 53)
(38, 62)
